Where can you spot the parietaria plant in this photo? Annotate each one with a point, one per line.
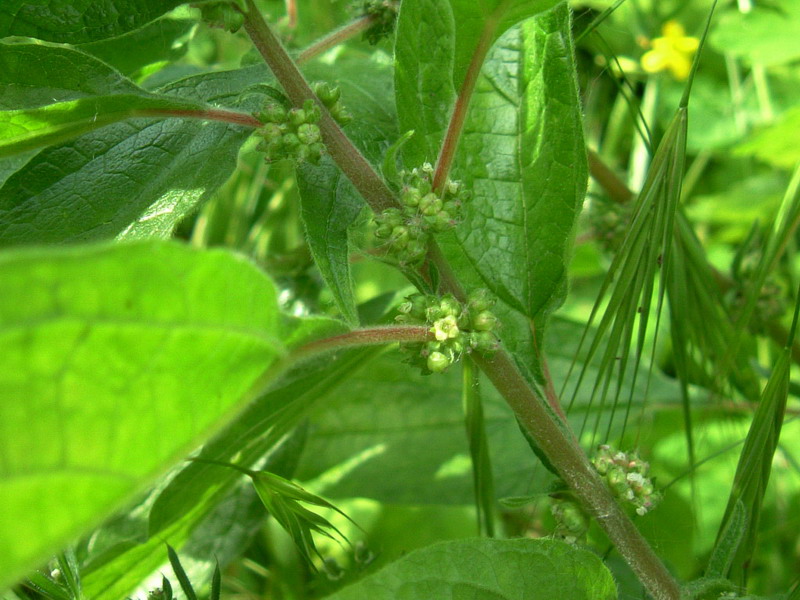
(261, 273)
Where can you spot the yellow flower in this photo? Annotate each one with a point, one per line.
(673, 51)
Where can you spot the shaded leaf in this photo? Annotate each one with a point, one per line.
(78, 21)
(32, 128)
(489, 570)
(154, 43)
(103, 354)
(132, 179)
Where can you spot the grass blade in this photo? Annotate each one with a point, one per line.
(183, 579)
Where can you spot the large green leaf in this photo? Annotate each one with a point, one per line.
(35, 74)
(521, 152)
(429, 75)
(490, 570)
(765, 35)
(117, 361)
(137, 178)
(32, 128)
(78, 21)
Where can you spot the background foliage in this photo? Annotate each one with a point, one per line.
(121, 359)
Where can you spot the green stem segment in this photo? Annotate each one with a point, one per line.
(350, 160)
(336, 37)
(531, 410)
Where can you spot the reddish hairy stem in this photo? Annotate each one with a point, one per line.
(336, 37)
(226, 116)
(350, 160)
(367, 337)
(448, 150)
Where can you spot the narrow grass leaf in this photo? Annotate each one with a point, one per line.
(180, 573)
(41, 583)
(478, 448)
(730, 539)
(216, 583)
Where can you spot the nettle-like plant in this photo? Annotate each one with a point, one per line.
(424, 191)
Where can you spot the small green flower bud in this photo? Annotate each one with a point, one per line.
(416, 250)
(437, 362)
(484, 342)
(297, 116)
(327, 94)
(312, 111)
(315, 152)
(400, 232)
(480, 300)
(270, 131)
(430, 204)
(308, 134)
(273, 113)
(383, 231)
(484, 321)
(450, 306)
(410, 197)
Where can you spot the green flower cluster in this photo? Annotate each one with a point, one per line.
(407, 229)
(456, 327)
(609, 222)
(384, 13)
(330, 96)
(572, 522)
(626, 475)
(222, 15)
(292, 134)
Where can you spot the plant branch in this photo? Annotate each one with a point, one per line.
(364, 337)
(448, 150)
(226, 116)
(532, 411)
(350, 160)
(336, 37)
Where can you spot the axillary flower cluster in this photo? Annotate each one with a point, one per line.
(293, 133)
(627, 476)
(457, 328)
(406, 230)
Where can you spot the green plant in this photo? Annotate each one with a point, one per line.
(207, 257)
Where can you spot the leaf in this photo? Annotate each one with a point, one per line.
(330, 203)
(730, 538)
(428, 76)
(78, 21)
(32, 128)
(133, 179)
(183, 579)
(753, 469)
(155, 42)
(776, 144)
(114, 370)
(522, 155)
(330, 206)
(489, 570)
(766, 35)
(36, 74)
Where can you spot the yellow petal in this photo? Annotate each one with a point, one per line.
(654, 61)
(673, 29)
(680, 66)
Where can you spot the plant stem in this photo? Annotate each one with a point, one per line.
(531, 410)
(448, 150)
(364, 337)
(226, 116)
(336, 37)
(350, 160)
